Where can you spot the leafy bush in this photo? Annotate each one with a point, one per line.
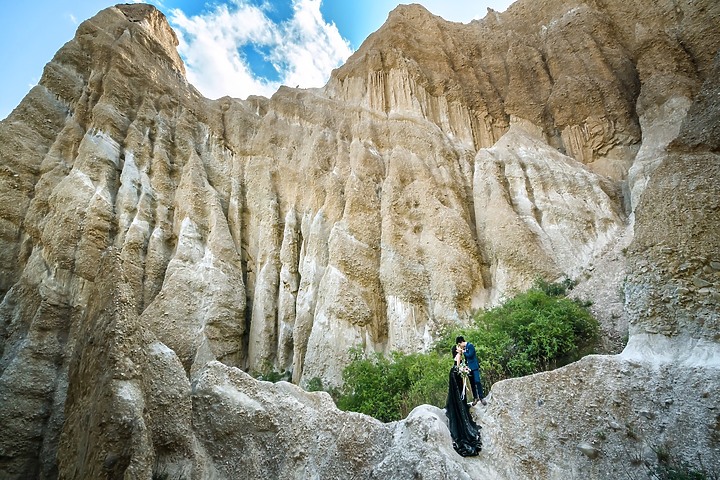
(534, 331)
(362, 389)
(270, 375)
(315, 384)
(557, 289)
(529, 333)
(429, 382)
(389, 388)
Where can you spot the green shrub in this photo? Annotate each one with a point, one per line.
(374, 385)
(270, 375)
(429, 382)
(315, 384)
(557, 289)
(534, 331)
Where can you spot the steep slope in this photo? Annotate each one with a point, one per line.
(151, 240)
(657, 401)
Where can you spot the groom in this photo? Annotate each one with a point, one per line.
(472, 363)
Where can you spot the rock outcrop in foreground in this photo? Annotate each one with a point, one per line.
(154, 244)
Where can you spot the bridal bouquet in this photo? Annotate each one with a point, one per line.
(464, 371)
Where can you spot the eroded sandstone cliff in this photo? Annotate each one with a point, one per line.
(152, 241)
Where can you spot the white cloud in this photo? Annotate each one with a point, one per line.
(304, 49)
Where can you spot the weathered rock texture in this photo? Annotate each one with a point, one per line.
(153, 243)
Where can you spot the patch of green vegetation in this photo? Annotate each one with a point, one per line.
(389, 388)
(670, 468)
(269, 375)
(315, 384)
(535, 331)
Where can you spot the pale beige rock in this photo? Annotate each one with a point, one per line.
(129, 405)
(622, 408)
(559, 215)
(659, 394)
(240, 417)
(148, 234)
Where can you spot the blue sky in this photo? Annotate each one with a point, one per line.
(231, 47)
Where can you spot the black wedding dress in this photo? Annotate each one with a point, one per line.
(463, 429)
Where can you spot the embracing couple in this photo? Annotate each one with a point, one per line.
(464, 354)
(464, 431)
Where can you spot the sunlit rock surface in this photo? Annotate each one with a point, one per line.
(154, 244)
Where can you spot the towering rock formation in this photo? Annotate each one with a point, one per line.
(153, 243)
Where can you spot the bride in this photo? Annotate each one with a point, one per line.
(463, 429)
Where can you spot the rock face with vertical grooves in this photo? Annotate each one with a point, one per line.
(154, 244)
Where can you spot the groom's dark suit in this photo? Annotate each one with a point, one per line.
(472, 363)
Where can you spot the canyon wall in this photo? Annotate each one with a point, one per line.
(154, 244)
